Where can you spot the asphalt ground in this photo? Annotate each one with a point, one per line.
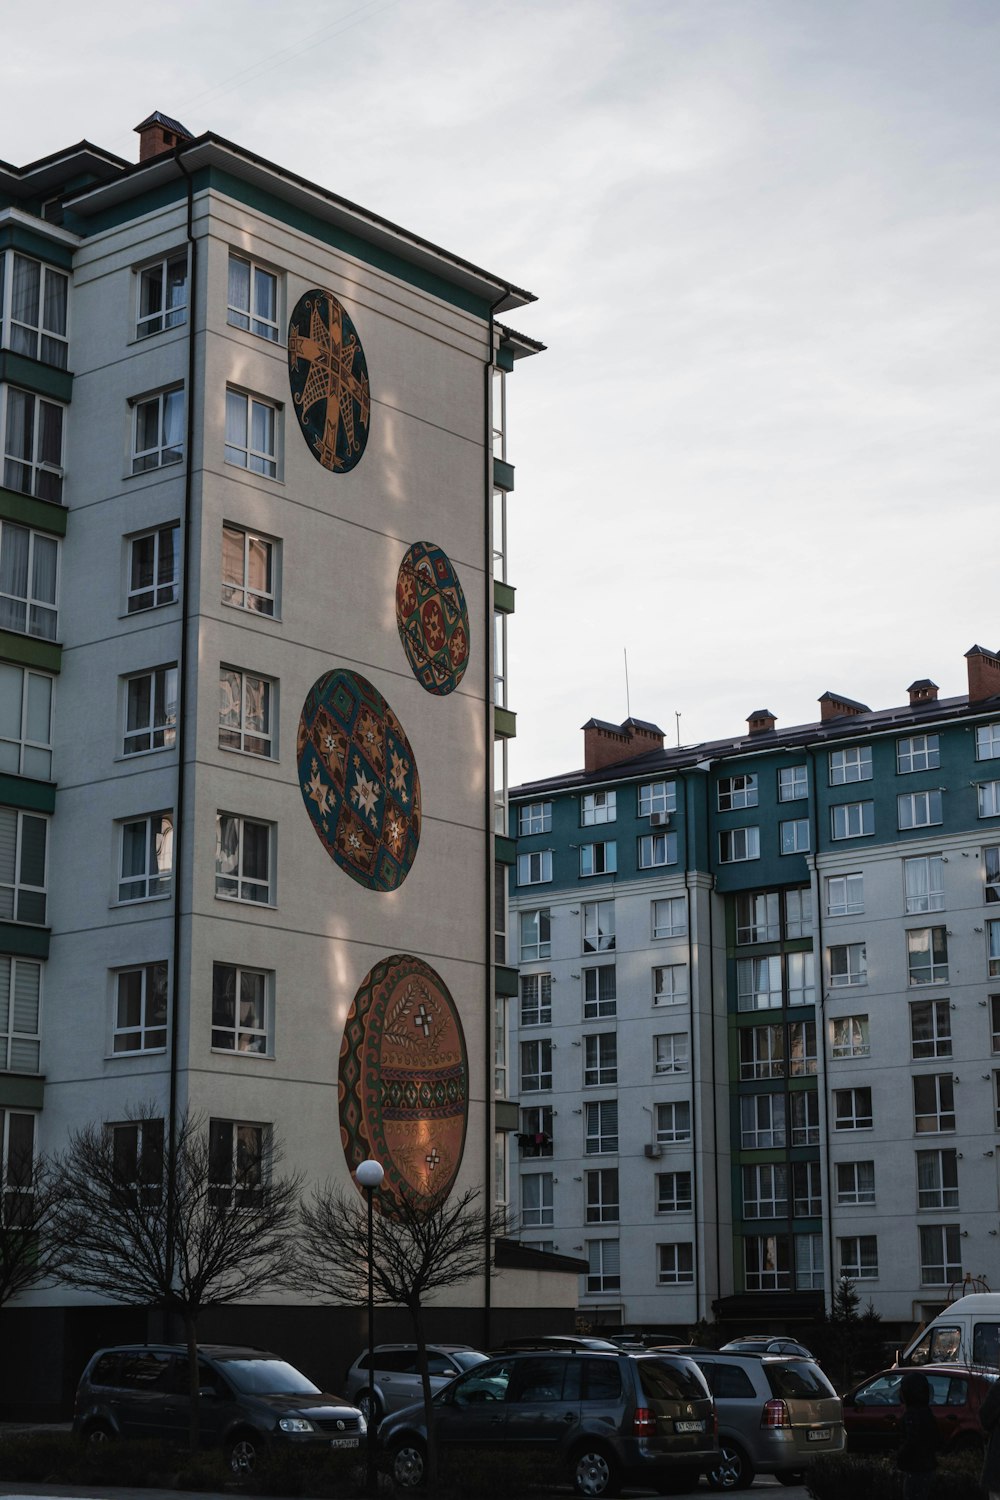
(71, 1492)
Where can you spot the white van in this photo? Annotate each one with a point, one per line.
(966, 1333)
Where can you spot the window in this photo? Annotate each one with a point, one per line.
(536, 1131)
(34, 320)
(855, 1183)
(657, 797)
(158, 430)
(674, 1264)
(146, 857)
(804, 1106)
(673, 1123)
(859, 1257)
(602, 1127)
(930, 1029)
(534, 817)
(736, 792)
(150, 711)
(599, 992)
(536, 999)
(17, 1157)
(536, 1065)
(852, 820)
(140, 1009)
(600, 1053)
(993, 948)
(852, 1109)
(845, 895)
(241, 1000)
(673, 1193)
(807, 1192)
(669, 917)
(923, 883)
(918, 809)
(602, 1196)
(762, 1122)
(534, 869)
(854, 764)
(23, 839)
(137, 1147)
(29, 565)
(765, 1191)
(500, 1049)
(995, 1023)
(249, 570)
(802, 1058)
(245, 712)
(153, 568)
(604, 1262)
(25, 722)
(927, 955)
(657, 849)
(991, 863)
(251, 433)
(940, 1254)
(762, 1052)
(739, 844)
(933, 1103)
(767, 1263)
(809, 1262)
(598, 859)
(20, 1015)
(236, 1163)
(758, 918)
(758, 983)
(536, 1199)
(598, 807)
(989, 798)
(598, 926)
(253, 298)
(670, 1052)
(848, 964)
(798, 912)
(243, 859)
(670, 984)
(793, 836)
(793, 783)
(920, 752)
(162, 296)
(988, 741)
(850, 1037)
(536, 934)
(937, 1179)
(32, 444)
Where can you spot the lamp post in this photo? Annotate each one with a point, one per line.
(369, 1176)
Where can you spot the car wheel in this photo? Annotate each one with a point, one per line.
(734, 1471)
(366, 1406)
(594, 1472)
(409, 1464)
(97, 1434)
(243, 1451)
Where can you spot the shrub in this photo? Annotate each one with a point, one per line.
(875, 1477)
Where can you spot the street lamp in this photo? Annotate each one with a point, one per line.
(369, 1176)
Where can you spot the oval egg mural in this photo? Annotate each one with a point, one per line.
(328, 374)
(432, 618)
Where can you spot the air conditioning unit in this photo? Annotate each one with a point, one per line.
(653, 1151)
(659, 820)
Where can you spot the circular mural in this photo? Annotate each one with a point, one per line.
(432, 619)
(359, 780)
(328, 375)
(403, 1085)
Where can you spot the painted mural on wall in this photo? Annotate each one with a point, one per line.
(432, 618)
(403, 1084)
(359, 780)
(328, 375)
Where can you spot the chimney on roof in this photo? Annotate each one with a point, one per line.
(761, 720)
(605, 744)
(922, 691)
(984, 673)
(159, 133)
(836, 706)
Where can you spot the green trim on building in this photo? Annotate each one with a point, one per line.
(32, 375)
(505, 358)
(28, 651)
(21, 791)
(504, 849)
(20, 237)
(503, 597)
(42, 515)
(503, 474)
(505, 1115)
(19, 1091)
(504, 723)
(505, 980)
(24, 942)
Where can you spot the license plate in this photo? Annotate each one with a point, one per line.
(690, 1426)
(351, 1442)
(818, 1435)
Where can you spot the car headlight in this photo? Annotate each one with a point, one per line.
(295, 1424)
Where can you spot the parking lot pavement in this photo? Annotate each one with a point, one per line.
(11, 1491)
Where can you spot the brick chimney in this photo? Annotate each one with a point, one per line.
(836, 706)
(984, 673)
(605, 744)
(159, 133)
(761, 721)
(923, 691)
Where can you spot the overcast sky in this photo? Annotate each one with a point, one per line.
(760, 452)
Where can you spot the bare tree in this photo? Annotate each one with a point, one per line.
(30, 1197)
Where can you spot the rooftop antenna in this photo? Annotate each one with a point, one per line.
(678, 718)
(628, 701)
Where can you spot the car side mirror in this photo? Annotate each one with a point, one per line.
(207, 1391)
(852, 1401)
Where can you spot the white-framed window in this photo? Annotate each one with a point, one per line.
(673, 1193)
(669, 917)
(923, 883)
(738, 844)
(802, 1058)
(536, 1065)
(534, 817)
(656, 849)
(137, 1147)
(32, 444)
(767, 1263)
(600, 1059)
(937, 1179)
(500, 1047)
(762, 1051)
(17, 1160)
(798, 912)
(250, 568)
(161, 295)
(670, 984)
(675, 1264)
(535, 929)
(758, 917)
(534, 869)
(848, 964)
(804, 1106)
(989, 798)
(927, 955)
(809, 1262)
(933, 1103)
(246, 712)
(153, 568)
(793, 783)
(29, 578)
(536, 1131)
(150, 710)
(23, 847)
(604, 1263)
(536, 999)
(253, 298)
(657, 797)
(793, 836)
(918, 752)
(852, 820)
(536, 1199)
(671, 1052)
(599, 859)
(499, 412)
(919, 809)
(988, 741)
(991, 873)
(237, 1152)
(20, 1015)
(850, 1037)
(158, 430)
(763, 1122)
(930, 1029)
(673, 1123)
(601, 1188)
(243, 859)
(852, 1109)
(758, 983)
(940, 1254)
(845, 894)
(598, 807)
(853, 764)
(859, 1257)
(252, 433)
(34, 300)
(601, 1118)
(737, 791)
(600, 992)
(140, 1009)
(765, 1191)
(799, 978)
(807, 1190)
(855, 1183)
(242, 1009)
(25, 722)
(598, 926)
(993, 948)
(145, 857)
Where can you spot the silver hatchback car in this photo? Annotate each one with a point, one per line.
(397, 1374)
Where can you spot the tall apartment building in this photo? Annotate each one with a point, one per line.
(757, 1032)
(252, 527)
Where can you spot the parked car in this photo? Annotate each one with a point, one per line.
(397, 1374)
(873, 1410)
(559, 1341)
(775, 1413)
(966, 1333)
(761, 1344)
(249, 1401)
(602, 1418)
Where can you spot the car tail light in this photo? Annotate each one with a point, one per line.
(643, 1422)
(775, 1414)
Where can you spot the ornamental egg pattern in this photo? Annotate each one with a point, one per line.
(328, 374)
(432, 618)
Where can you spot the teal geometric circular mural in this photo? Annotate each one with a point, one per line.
(432, 619)
(328, 375)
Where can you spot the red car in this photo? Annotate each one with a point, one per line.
(873, 1410)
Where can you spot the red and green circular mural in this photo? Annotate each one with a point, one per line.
(432, 618)
(328, 375)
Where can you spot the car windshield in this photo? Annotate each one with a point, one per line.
(268, 1377)
(466, 1358)
(797, 1378)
